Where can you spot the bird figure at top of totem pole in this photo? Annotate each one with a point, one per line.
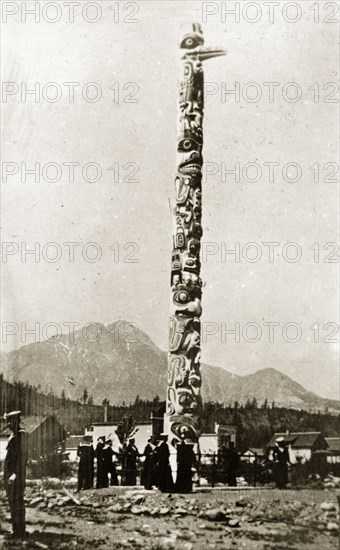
(184, 402)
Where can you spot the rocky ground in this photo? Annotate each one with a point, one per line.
(220, 518)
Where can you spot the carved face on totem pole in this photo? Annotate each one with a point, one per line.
(193, 38)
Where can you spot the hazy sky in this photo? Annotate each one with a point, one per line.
(133, 126)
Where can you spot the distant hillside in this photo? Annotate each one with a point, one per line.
(122, 364)
(255, 425)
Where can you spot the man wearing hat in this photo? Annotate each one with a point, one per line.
(100, 462)
(281, 460)
(186, 461)
(148, 473)
(86, 453)
(15, 472)
(109, 467)
(131, 456)
(164, 474)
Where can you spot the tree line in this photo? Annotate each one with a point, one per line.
(255, 424)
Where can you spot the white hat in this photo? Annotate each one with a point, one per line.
(280, 439)
(12, 414)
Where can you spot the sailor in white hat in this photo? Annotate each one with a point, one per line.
(15, 472)
(280, 439)
(12, 415)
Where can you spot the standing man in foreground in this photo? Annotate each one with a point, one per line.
(186, 461)
(232, 464)
(15, 472)
(164, 474)
(148, 474)
(130, 462)
(100, 462)
(281, 461)
(86, 453)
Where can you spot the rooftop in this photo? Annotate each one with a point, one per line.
(28, 423)
(73, 441)
(333, 444)
(256, 450)
(297, 439)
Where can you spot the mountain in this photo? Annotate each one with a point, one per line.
(119, 362)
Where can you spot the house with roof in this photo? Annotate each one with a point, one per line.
(301, 445)
(108, 430)
(46, 436)
(333, 449)
(252, 454)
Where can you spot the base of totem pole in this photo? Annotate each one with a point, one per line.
(180, 455)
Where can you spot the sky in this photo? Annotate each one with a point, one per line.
(102, 125)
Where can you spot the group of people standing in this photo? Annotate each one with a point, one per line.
(157, 471)
(156, 468)
(105, 457)
(107, 461)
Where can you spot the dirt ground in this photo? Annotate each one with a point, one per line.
(220, 518)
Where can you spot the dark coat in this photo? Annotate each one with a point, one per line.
(164, 475)
(232, 466)
(109, 467)
(15, 463)
(186, 459)
(148, 478)
(16, 458)
(100, 465)
(86, 454)
(130, 464)
(280, 468)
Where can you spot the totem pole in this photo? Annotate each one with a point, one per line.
(184, 402)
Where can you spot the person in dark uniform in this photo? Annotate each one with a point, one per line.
(100, 462)
(109, 467)
(281, 461)
(131, 455)
(164, 475)
(86, 453)
(148, 473)
(232, 464)
(223, 461)
(186, 460)
(15, 472)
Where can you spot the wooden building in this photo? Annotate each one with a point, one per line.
(108, 430)
(46, 436)
(252, 454)
(333, 450)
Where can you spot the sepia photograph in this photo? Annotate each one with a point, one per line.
(170, 275)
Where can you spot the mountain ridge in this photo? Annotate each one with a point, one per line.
(118, 361)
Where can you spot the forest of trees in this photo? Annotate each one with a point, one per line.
(255, 424)
(73, 415)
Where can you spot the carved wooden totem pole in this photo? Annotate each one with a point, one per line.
(184, 402)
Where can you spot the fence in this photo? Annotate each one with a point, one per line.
(249, 470)
(210, 471)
